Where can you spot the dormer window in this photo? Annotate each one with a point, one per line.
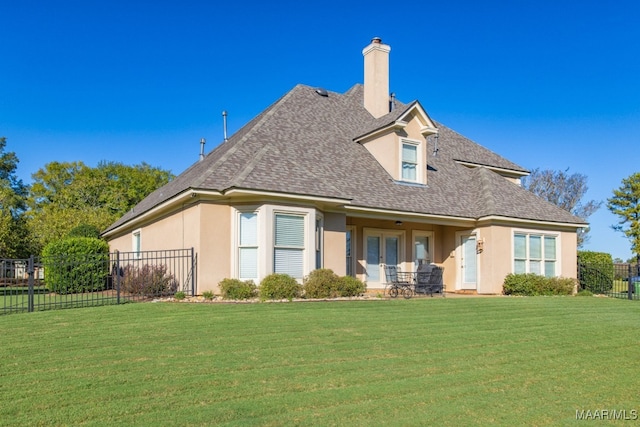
(410, 161)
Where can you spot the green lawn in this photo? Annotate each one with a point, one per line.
(429, 361)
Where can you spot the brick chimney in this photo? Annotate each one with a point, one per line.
(376, 77)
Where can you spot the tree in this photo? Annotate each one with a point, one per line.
(14, 238)
(565, 191)
(65, 195)
(626, 204)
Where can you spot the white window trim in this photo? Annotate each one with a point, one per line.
(235, 258)
(420, 165)
(235, 241)
(309, 253)
(427, 234)
(137, 251)
(542, 233)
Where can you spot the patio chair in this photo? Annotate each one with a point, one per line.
(397, 279)
(435, 284)
(423, 276)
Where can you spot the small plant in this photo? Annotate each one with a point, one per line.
(279, 286)
(180, 295)
(584, 293)
(208, 295)
(237, 289)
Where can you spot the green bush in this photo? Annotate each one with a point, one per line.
(351, 287)
(237, 289)
(584, 293)
(324, 283)
(148, 280)
(208, 295)
(180, 295)
(279, 286)
(532, 284)
(76, 264)
(596, 271)
(85, 230)
(321, 283)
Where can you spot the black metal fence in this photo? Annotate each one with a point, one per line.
(46, 283)
(611, 279)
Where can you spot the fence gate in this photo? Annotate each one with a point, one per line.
(45, 283)
(615, 280)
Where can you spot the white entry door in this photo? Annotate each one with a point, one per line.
(380, 248)
(468, 261)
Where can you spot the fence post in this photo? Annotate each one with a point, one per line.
(30, 272)
(193, 273)
(118, 275)
(630, 283)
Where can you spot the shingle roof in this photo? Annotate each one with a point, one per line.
(304, 144)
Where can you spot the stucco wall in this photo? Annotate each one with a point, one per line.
(335, 252)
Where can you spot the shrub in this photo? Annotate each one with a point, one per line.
(208, 295)
(532, 284)
(148, 280)
(85, 230)
(279, 286)
(350, 287)
(584, 293)
(324, 283)
(321, 283)
(596, 271)
(180, 295)
(76, 264)
(237, 289)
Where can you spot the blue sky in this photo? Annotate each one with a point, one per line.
(549, 84)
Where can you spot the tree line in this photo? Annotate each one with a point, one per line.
(65, 196)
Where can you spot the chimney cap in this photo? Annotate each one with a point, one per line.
(376, 40)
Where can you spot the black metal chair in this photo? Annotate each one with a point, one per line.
(397, 282)
(429, 280)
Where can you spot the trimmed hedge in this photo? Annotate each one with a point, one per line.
(76, 264)
(596, 271)
(279, 286)
(237, 289)
(533, 284)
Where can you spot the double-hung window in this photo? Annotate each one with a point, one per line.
(534, 253)
(248, 245)
(409, 161)
(288, 251)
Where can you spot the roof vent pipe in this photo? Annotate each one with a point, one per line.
(202, 142)
(392, 102)
(224, 125)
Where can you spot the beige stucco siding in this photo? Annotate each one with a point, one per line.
(335, 252)
(216, 249)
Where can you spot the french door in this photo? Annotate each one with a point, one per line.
(381, 248)
(468, 261)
